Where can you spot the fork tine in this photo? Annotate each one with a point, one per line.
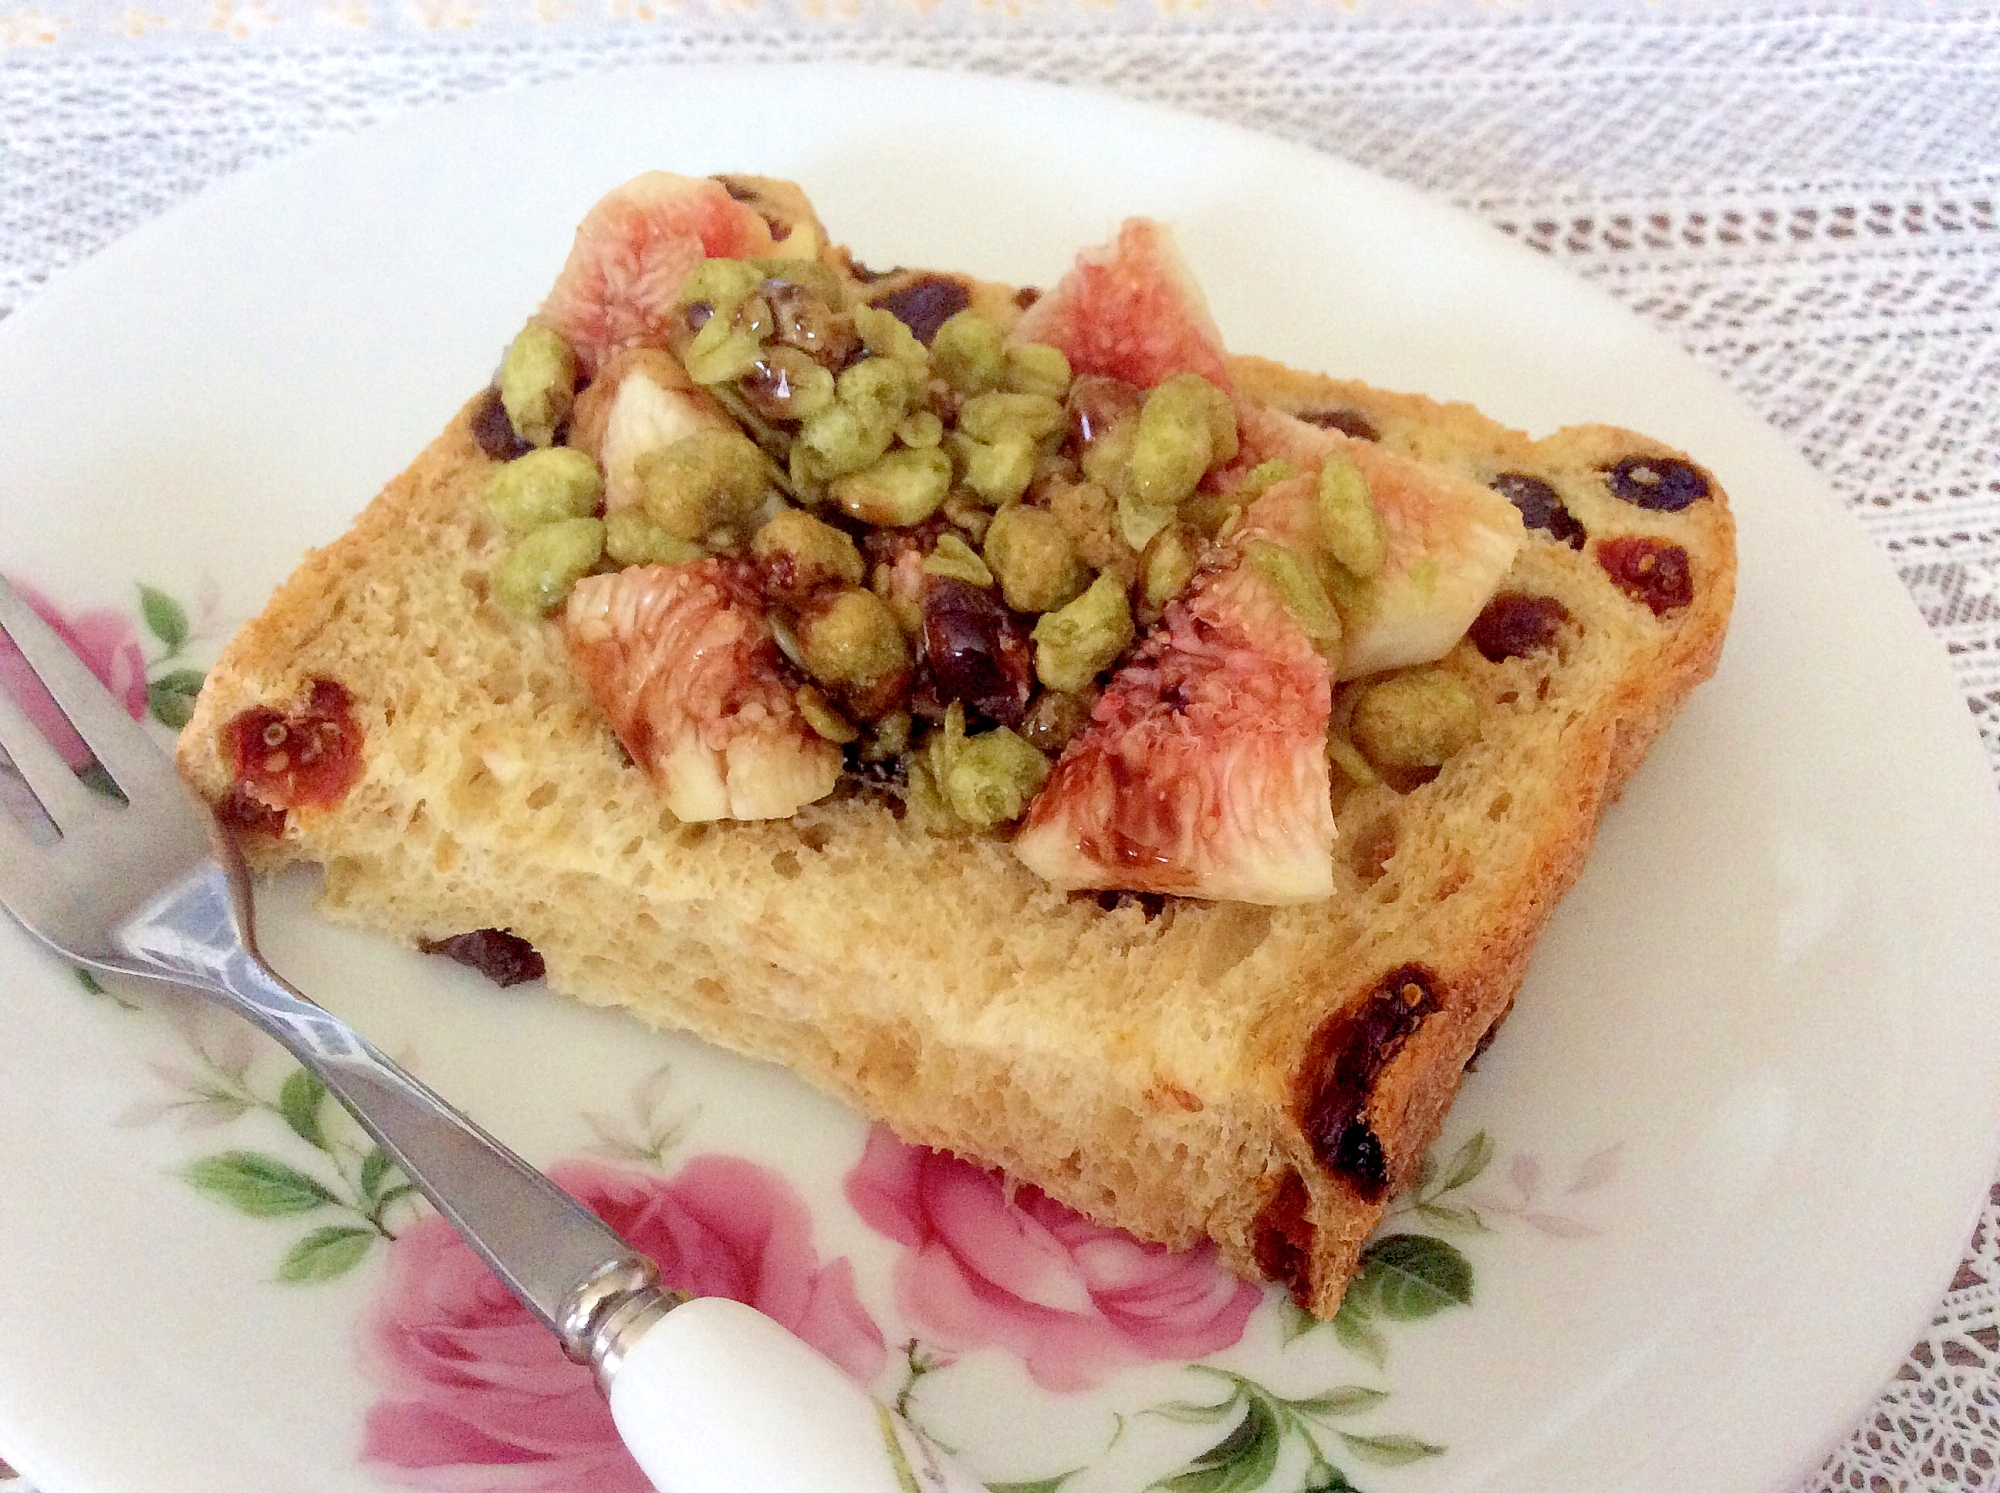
(62, 793)
(119, 742)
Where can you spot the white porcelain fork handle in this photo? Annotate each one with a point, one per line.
(718, 1397)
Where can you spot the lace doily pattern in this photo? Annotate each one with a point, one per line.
(1806, 202)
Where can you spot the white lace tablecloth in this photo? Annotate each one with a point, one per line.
(1804, 195)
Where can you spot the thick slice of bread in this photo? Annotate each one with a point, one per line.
(1260, 1076)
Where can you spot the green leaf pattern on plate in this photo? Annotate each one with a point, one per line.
(1264, 1423)
(170, 687)
(312, 1160)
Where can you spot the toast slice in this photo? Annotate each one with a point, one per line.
(1184, 1068)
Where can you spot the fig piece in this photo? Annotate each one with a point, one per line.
(642, 402)
(1203, 770)
(682, 661)
(622, 281)
(1448, 541)
(1130, 309)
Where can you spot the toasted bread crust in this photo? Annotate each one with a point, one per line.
(1155, 1067)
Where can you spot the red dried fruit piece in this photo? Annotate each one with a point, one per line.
(1203, 770)
(293, 760)
(682, 661)
(1130, 309)
(632, 252)
(1349, 1053)
(1650, 571)
(975, 650)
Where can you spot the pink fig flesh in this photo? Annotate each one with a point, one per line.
(1203, 770)
(1130, 309)
(634, 249)
(683, 663)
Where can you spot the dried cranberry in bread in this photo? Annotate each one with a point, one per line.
(736, 781)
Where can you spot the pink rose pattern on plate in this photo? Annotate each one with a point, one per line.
(479, 1396)
(107, 643)
(1073, 1299)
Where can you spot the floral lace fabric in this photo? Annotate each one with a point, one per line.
(1805, 197)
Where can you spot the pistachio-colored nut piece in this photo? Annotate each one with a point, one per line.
(1090, 518)
(1414, 721)
(1213, 514)
(543, 486)
(944, 743)
(786, 384)
(999, 471)
(797, 554)
(1038, 566)
(721, 352)
(888, 738)
(1140, 519)
(839, 440)
(969, 353)
(1168, 565)
(536, 576)
(884, 335)
(822, 717)
(1299, 587)
(994, 778)
(538, 383)
(920, 428)
(1171, 451)
(954, 557)
(1035, 368)
(1054, 718)
(1354, 598)
(713, 479)
(1107, 460)
(753, 318)
(1188, 395)
(879, 388)
(722, 284)
(904, 487)
(1264, 475)
(634, 537)
(987, 417)
(968, 513)
(1076, 644)
(1353, 766)
(853, 645)
(1349, 526)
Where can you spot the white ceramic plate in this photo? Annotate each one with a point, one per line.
(1722, 1161)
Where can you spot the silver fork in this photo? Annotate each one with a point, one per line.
(714, 1396)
